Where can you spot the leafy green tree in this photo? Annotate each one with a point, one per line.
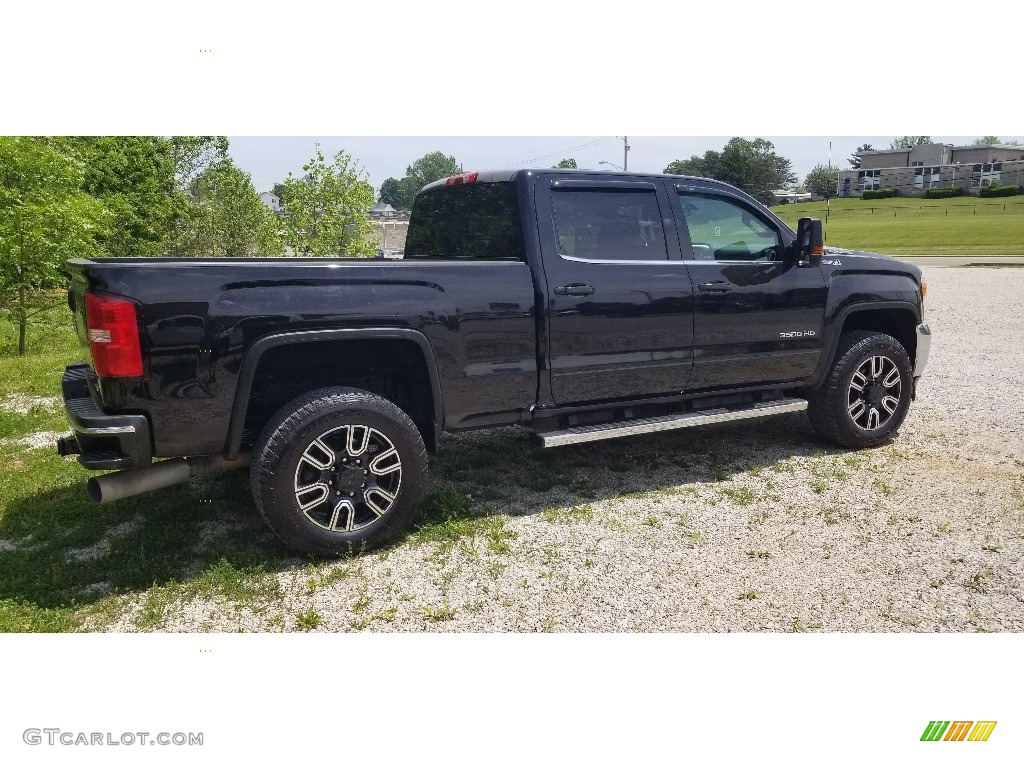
(328, 209)
(395, 193)
(429, 168)
(226, 217)
(133, 176)
(569, 162)
(909, 142)
(855, 159)
(193, 154)
(982, 141)
(823, 180)
(696, 166)
(45, 218)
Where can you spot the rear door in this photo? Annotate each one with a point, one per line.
(758, 316)
(619, 298)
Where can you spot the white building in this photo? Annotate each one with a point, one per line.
(272, 201)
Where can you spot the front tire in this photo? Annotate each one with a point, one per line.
(337, 471)
(866, 396)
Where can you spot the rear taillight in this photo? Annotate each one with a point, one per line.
(113, 336)
(462, 178)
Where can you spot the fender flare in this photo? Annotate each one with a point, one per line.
(835, 331)
(251, 360)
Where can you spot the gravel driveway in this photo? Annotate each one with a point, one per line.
(743, 528)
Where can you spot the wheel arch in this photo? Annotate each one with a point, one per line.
(336, 341)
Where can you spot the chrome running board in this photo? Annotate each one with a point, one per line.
(593, 432)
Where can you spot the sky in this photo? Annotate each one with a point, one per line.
(269, 159)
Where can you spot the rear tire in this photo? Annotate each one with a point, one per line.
(866, 396)
(337, 471)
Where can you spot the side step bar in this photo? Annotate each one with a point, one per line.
(593, 432)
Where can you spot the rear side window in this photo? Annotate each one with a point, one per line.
(469, 221)
(609, 224)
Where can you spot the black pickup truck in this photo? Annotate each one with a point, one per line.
(581, 305)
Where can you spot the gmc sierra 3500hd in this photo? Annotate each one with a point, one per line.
(582, 305)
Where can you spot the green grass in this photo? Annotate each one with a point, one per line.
(967, 226)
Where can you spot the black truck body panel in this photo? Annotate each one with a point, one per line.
(503, 341)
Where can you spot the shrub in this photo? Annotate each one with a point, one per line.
(936, 193)
(1004, 190)
(878, 194)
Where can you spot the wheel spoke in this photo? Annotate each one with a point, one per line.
(856, 409)
(877, 364)
(358, 440)
(392, 459)
(874, 418)
(340, 506)
(890, 404)
(377, 491)
(320, 489)
(892, 379)
(859, 380)
(319, 454)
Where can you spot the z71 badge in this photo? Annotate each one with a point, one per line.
(796, 334)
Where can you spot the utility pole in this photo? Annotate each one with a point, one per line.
(625, 153)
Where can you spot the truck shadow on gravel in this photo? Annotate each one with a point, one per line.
(62, 552)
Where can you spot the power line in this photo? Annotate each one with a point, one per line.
(559, 152)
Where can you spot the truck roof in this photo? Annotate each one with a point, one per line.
(509, 174)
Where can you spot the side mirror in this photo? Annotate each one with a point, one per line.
(810, 242)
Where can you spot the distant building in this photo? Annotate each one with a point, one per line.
(272, 201)
(383, 210)
(783, 196)
(912, 171)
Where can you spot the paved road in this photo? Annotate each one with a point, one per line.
(961, 261)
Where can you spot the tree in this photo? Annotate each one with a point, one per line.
(225, 217)
(278, 191)
(395, 193)
(328, 209)
(986, 140)
(855, 157)
(751, 165)
(193, 154)
(909, 142)
(705, 166)
(431, 167)
(823, 181)
(569, 162)
(134, 178)
(45, 218)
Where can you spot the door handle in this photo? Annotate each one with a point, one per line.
(715, 286)
(574, 289)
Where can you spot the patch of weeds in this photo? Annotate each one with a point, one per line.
(759, 518)
(819, 486)
(739, 495)
(992, 547)
(945, 527)
(496, 568)
(363, 600)
(588, 563)
(308, 620)
(979, 581)
(835, 515)
(248, 585)
(582, 513)
(936, 583)
(547, 624)
(443, 612)
(752, 594)
(797, 626)
(151, 613)
(388, 615)
(652, 521)
(884, 487)
(498, 535)
(759, 555)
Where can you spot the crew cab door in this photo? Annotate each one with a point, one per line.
(620, 319)
(758, 314)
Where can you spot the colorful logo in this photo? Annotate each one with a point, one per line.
(958, 730)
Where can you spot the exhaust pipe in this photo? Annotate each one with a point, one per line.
(132, 482)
